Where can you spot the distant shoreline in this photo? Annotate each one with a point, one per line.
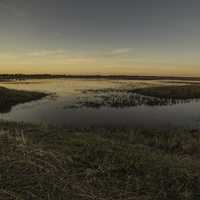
(7, 77)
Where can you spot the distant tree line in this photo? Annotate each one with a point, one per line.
(117, 77)
(28, 76)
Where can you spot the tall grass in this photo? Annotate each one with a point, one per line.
(52, 163)
(29, 172)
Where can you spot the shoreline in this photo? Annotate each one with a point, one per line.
(7, 77)
(11, 97)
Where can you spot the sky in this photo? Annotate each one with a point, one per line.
(130, 37)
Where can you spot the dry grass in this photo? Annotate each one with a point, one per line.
(49, 163)
(29, 172)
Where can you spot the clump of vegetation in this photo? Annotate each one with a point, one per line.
(27, 171)
(10, 97)
(122, 100)
(51, 163)
(190, 91)
(151, 96)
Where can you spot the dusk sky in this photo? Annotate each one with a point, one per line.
(134, 37)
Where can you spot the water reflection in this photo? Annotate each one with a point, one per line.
(135, 111)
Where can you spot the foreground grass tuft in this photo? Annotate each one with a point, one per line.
(50, 163)
(29, 172)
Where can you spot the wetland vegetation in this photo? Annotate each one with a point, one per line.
(10, 97)
(151, 96)
(42, 162)
(50, 162)
(183, 92)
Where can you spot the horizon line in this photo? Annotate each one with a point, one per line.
(97, 75)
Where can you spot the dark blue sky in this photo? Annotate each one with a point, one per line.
(100, 35)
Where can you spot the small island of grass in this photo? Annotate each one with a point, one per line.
(11, 97)
(190, 91)
(150, 96)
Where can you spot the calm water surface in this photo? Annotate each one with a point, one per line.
(56, 110)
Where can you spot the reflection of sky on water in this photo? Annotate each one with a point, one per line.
(56, 109)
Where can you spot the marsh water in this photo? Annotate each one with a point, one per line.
(60, 107)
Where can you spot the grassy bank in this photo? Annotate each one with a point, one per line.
(10, 97)
(150, 96)
(40, 162)
(190, 91)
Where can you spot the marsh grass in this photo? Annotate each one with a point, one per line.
(150, 96)
(10, 97)
(189, 91)
(123, 100)
(42, 162)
